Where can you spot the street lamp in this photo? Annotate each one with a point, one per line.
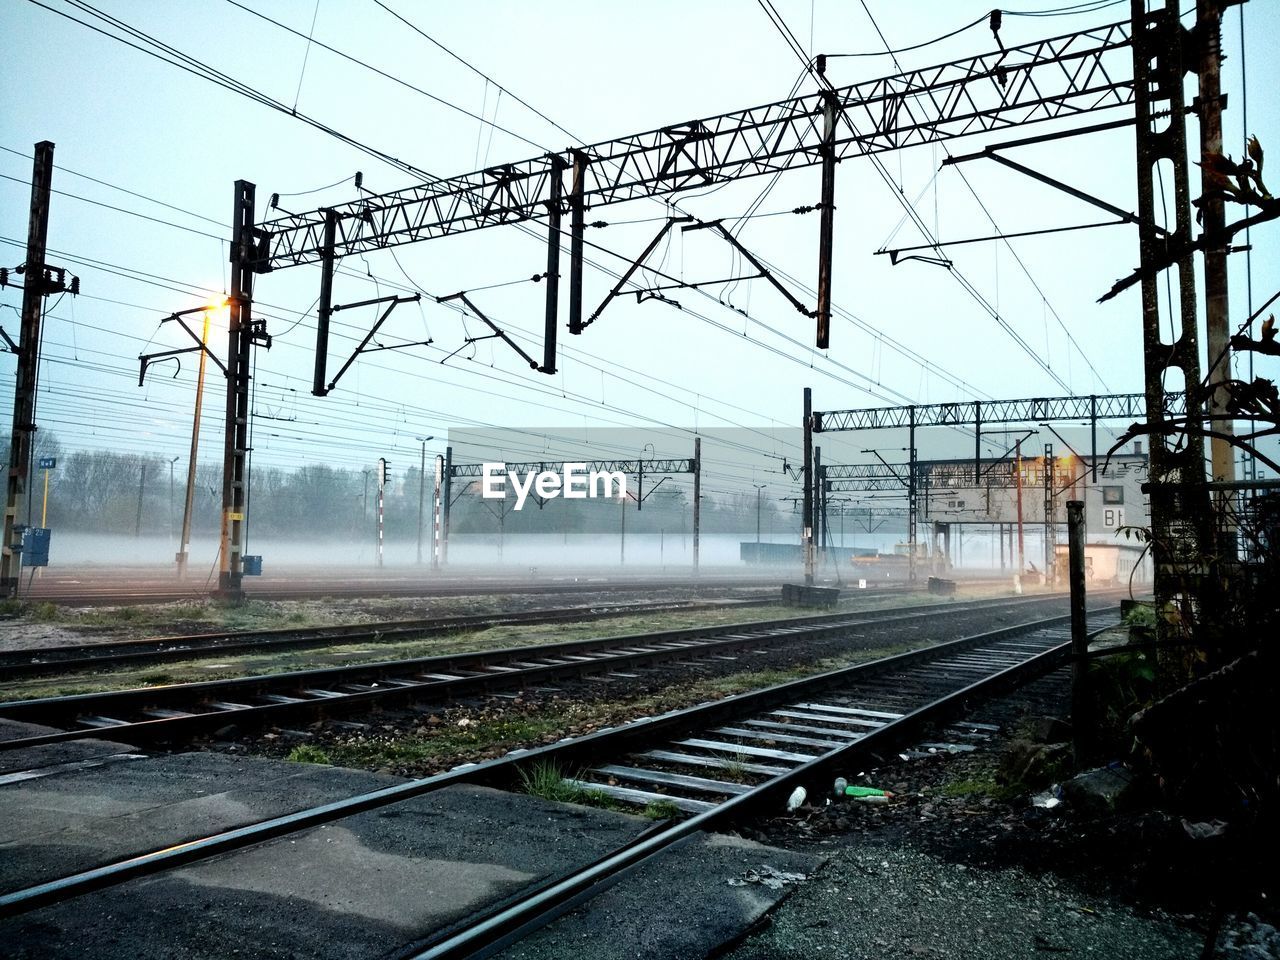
(422, 489)
(759, 487)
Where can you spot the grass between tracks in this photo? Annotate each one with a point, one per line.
(342, 654)
(135, 621)
(427, 745)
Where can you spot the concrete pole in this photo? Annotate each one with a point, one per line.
(446, 501)
(437, 540)
(142, 482)
(806, 536)
(697, 500)
(1017, 482)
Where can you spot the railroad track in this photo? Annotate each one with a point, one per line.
(722, 762)
(108, 655)
(149, 590)
(181, 711)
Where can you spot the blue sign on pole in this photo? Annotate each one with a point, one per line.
(48, 463)
(35, 546)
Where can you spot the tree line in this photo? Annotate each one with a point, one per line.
(100, 491)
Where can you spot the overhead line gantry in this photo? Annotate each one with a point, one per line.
(1059, 78)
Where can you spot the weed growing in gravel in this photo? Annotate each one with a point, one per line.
(544, 779)
(734, 768)
(660, 810)
(309, 753)
(45, 612)
(190, 611)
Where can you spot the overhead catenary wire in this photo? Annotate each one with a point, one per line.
(735, 332)
(523, 382)
(382, 73)
(878, 165)
(248, 91)
(1044, 299)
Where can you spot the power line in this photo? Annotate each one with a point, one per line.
(174, 57)
(244, 89)
(476, 70)
(132, 213)
(879, 167)
(113, 186)
(382, 73)
(1044, 299)
(915, 46)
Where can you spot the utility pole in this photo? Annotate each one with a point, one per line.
(422, 491)
(1081, 723)
(171, 463)
(806, 475)
(446, 503)
(24, 390)
(422, 494)
(1048, 516)
(1017, 483)
(437, 540)
(1209, 105)
(759, 487)
(819, 512)
(382, 484)
(184, 542)
(697, 499)
(622, 540)
(142, 481)
(241, 335)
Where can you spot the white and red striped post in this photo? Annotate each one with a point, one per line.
(435, 514)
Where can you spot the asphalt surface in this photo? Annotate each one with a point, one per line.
(369, 885)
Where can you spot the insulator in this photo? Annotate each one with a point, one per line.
(4, 276)
(359, 179)
(75, 286)
(275, 201)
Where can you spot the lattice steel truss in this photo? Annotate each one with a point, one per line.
(1114, 406)
(1182, 543)
(631, 467)
(1049, 79)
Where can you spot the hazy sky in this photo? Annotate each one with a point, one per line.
(901, 334)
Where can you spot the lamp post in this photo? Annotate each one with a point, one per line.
(184, 539)
(422, 489)
(759, 487)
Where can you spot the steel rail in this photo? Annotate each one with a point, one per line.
(569, 753)
(61, 659)
(438, 678)
(500, 929)
(586, 583)
(95, 656)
